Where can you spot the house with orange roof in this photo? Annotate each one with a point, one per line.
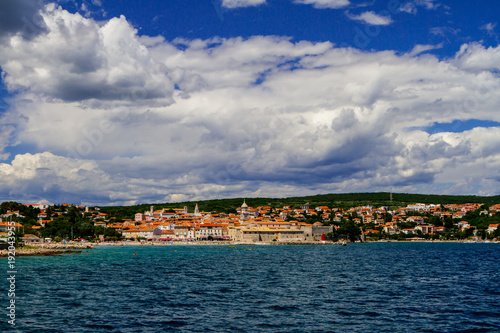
(101, 216)
(131, 233)
(368, 218)
(265, 234)
(458, 215)
(10, 213)
(390, 228)
(492, 228)
(415, 219)
(100, 224)
(322, 209)
(463, 225)
(495, 208)
(185, 231)
(5, 225)
(207, 230)
(439, 229)
(425, 229)
(408, 231)
(163, 235)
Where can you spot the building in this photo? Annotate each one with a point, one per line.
(209, 230)
(244, 212)
(492, 228)
(32, 239)
(313, 232)
(425, 229)
(265, 234)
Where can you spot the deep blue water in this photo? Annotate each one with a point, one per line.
(375, 287)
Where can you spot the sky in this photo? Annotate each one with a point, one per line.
(127, 102)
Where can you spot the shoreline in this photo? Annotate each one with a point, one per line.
(214, 243)
(57, 249)
(232, 243)
(47, 249)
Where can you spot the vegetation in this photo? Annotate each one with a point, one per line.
(348, 230)
(71, 222)
(344, 200)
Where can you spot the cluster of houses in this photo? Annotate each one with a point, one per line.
(286, 224)
(267, 224)
(249, 225)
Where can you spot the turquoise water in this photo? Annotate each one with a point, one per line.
(383, 287)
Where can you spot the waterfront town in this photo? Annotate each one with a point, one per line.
(43, 223)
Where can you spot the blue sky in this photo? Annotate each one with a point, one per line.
(420, 22)
(106, 102)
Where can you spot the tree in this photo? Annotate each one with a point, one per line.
(112, 234)
(387, 217)
(84, 229)
(448, 223)
(350, 230)
(99, 230)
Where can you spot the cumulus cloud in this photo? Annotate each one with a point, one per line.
(21, 17)
(322, 4)
(259, 116)
(475, 56)
(79, 60)
(371, 18)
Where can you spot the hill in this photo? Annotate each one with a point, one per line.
(340, 200)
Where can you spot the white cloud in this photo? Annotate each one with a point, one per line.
(319, 4)
(411, 7)
(80, 60)
(476, 57)
(371, 18)
(323, 4)
(489, 28)
(444, 31)
(242, 3)
(418, 49)
(428, 4)
(263, 116)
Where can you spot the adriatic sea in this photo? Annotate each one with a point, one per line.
(370, 287)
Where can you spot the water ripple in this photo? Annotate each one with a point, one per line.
(389, 287)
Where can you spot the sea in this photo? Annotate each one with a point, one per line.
(362, 287)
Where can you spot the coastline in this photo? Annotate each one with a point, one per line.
(49, 249)
(215, 243)
(201, 243)
(56, 249)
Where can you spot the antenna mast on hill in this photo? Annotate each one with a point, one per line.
(391, 195)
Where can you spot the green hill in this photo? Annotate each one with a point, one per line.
(341, 200)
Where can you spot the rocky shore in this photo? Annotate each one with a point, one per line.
(59, 246)
(48, 250)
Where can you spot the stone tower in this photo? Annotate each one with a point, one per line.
(244, 212)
